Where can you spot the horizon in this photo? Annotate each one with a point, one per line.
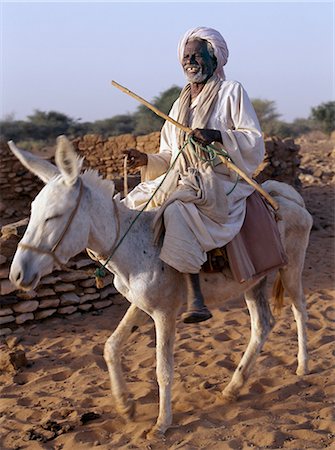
(282, 52)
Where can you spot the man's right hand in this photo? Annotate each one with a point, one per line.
(135, 158)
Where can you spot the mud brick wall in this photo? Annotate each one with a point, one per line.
(18, 187)
(281, 162)
(105, 154)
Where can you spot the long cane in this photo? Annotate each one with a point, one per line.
(228, 163)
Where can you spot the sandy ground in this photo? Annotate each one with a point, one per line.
(43, 404)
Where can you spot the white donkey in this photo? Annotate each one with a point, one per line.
(76, 211)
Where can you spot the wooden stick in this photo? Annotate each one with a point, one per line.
(229, 164)
(125, 176)
(152, 107)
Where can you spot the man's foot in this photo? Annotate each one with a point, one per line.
(197, 315)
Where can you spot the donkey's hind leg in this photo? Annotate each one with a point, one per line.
(293, 285)
(262, 322)
(112, 354)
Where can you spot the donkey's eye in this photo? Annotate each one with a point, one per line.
(52, 218)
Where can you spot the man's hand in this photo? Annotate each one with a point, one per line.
(135, 158)
(206, 136)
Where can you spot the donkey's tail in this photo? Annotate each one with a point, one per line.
(278, 293)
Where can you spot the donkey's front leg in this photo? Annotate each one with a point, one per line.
(262, 322)
(112, 354)
(165, 324)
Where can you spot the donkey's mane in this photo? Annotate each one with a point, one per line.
(95, 181)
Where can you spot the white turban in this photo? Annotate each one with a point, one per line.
(214, 38)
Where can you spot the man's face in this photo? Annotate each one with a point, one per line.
(197, 63)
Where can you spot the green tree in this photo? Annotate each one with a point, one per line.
(324, 115)
(51, 124)
(302, 126)
(13, 130)
(120, 124)
(147, 121)
(282, 129)
(267, 114)
(40, 126)
(294, 129)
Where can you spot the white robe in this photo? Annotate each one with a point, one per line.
(190, 233)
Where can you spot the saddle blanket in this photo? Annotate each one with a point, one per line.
(256, 250)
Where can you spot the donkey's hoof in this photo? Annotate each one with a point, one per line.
(229, 397)
(127, 410)
(156, 434)
(302, 371)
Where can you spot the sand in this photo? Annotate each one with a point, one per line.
(44, 405)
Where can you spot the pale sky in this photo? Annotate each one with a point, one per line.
(62, 55)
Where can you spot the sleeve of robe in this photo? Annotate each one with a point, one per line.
(159, 163)
(240, 129)
(235, 117)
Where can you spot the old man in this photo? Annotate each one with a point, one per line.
(201, 204)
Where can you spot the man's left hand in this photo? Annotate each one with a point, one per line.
(206, 136)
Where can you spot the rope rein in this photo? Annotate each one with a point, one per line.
(209, 150)
(211, 153)
(101, 271)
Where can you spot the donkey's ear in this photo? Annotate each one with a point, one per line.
(38, 166)
(67, 160)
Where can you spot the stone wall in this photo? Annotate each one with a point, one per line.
(105, 154)
(281, 162)
(19, 187)
(67, 292)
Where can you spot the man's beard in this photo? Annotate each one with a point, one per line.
(196, 77)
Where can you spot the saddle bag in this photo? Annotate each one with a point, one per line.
(257, 248)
